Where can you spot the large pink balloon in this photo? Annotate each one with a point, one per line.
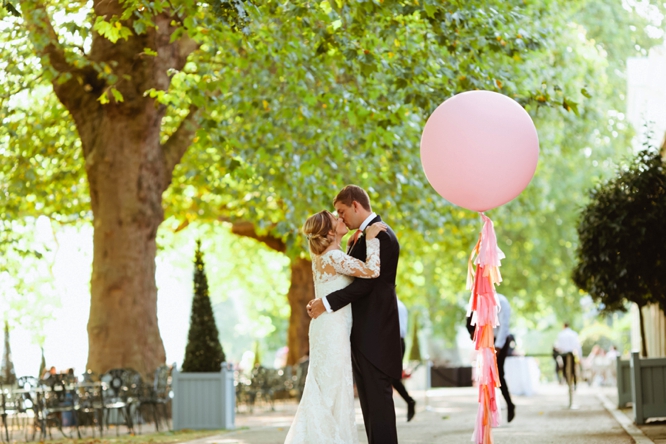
(479, 150)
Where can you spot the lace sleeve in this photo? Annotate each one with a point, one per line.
(350, 266)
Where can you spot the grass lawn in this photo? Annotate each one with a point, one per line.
(153, 438)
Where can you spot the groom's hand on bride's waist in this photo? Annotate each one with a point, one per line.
(315, 308)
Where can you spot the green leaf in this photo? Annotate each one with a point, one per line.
(11, 9)
(104, 98)
(117, 95)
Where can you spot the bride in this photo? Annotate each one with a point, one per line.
(326, 413)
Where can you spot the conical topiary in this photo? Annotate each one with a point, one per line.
(7, 373)
(204, 351)
(42, 364)
(257, 358)
(415, 352)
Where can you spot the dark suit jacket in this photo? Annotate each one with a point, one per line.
(376, 329)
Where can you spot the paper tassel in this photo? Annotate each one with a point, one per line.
(483, 307)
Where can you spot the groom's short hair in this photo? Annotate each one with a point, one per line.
(352, 193)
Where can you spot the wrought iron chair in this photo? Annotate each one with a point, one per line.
(28, 398)
(301, 375)
(156, 396)
(60, 399)
(6, 407)
(262, 384)
(90, 405)
(117, 396)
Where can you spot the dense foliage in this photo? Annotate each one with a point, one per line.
(295, 99)
(621, 256)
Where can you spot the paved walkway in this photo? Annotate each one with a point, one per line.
(447, 416)
(653, 432)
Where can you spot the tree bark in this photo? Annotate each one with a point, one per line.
(643, 339)
(126, 196)
(127, 170)
(300, 293)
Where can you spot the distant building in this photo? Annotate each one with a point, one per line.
(646, 102)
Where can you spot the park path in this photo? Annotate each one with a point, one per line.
(447, 416)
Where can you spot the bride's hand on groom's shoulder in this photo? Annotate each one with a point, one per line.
(373, 230)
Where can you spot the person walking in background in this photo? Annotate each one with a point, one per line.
(502, 348)
(568, 345)
(397, 383)
(502, 345)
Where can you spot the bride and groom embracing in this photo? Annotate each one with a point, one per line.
(355, 333)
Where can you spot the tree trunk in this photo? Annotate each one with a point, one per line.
(126, 186)
(643, 339)
(127, 169)
(300, 293)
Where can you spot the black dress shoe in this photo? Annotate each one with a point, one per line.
(512, 413)
(411, 410)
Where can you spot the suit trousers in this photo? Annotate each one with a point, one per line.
(501, 357)
(375, 393)
(397, 384)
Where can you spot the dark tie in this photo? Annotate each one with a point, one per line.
(352, 241)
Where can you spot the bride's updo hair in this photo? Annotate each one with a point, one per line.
(316, 229)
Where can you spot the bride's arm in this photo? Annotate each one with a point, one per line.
(350, 266)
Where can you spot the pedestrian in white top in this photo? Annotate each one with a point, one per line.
(568, 342)
(568, 346)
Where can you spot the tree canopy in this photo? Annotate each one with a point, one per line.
(621, 256)
(278, 105)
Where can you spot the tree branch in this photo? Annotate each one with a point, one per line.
(247, 229)
(177, 145)
(43, 36)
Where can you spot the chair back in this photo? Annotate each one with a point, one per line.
(121, 385)
(161, 382)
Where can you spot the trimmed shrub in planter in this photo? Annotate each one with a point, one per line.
(204, 393)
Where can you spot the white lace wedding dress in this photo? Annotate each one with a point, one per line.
(326, 413)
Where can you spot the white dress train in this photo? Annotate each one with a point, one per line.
(326, 413)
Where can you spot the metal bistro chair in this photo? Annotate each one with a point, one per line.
(28, 398)
(262, 385)
(301, 376)
(90, 405)
(6, 408)
(244, 392)
(60, 399)
(117, 395)
(157, 397)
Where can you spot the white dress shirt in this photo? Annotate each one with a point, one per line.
(568, 342)
(402, 318)
(502, 331)
(362, 228)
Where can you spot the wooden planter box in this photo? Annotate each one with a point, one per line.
(204, 400)
(623, 382)
(648, 387)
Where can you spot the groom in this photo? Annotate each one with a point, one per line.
(375, 335)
